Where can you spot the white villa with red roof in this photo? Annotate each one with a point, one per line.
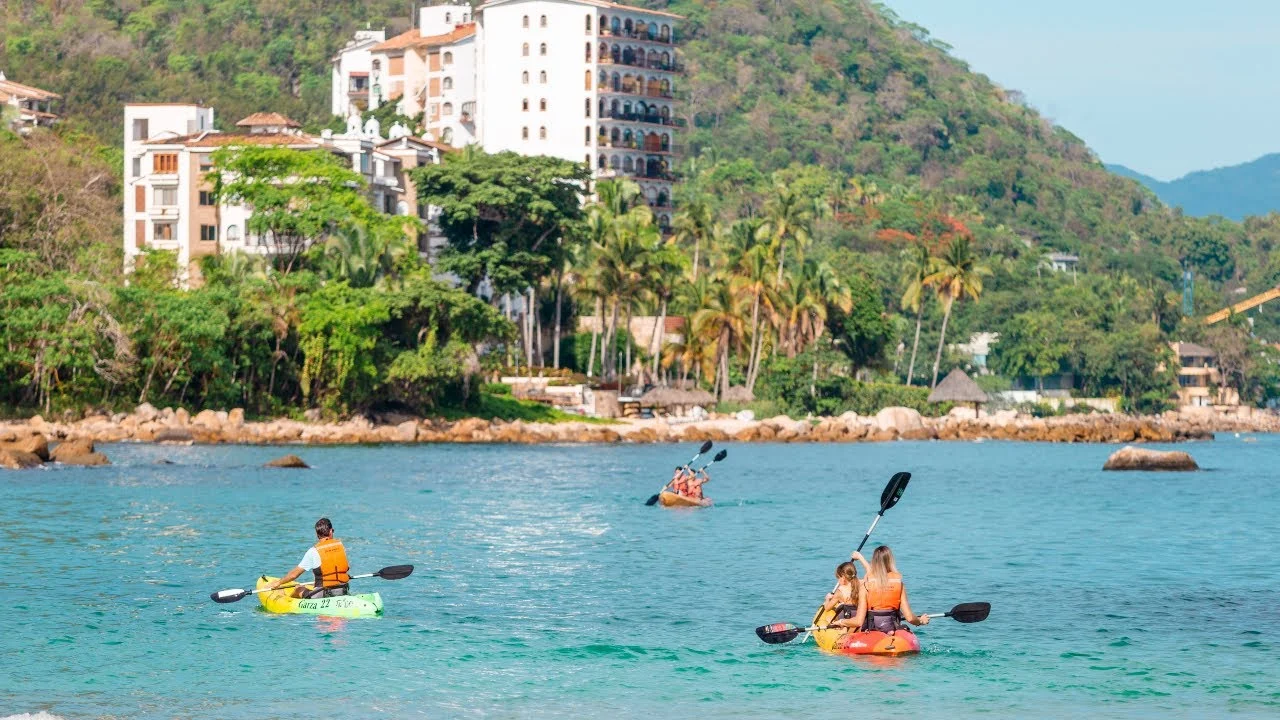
(31, 106)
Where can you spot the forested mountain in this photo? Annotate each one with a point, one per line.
(1235, 192)
(828, 140)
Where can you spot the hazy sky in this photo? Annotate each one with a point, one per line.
(1162, 86)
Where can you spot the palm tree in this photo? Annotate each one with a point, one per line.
(694, 224)
(720, 322)
(917, 265)
(787, 217)
(956, 274)
(750, 281)
(666, 267)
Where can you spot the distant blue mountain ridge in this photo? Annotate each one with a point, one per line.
(1252, 188)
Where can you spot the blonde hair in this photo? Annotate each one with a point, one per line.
(847, 571)
(881, 566)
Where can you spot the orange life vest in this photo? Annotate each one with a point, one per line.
(334, 570)
(678, 485)
(887, 596)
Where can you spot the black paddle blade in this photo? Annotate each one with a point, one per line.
(395, 572)
(970, 612)
(706, 448)
(228, 596)
(893, 491)
(778, 633)
(652, 501)
(721, 455)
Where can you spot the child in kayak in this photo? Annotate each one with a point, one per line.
(886, 596)
(848, 598)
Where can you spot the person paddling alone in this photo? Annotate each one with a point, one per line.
(886, 596)
(327, 561)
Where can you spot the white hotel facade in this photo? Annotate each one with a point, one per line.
(583, 80)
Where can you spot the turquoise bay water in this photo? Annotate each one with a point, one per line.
(545, 588)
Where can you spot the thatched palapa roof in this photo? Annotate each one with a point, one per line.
(958, 387)
(668, 397)
(738, 394)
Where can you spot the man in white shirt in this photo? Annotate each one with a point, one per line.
(326, 560)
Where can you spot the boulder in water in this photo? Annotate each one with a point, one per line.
(1132, 458)
(287, 461)
(18, 460)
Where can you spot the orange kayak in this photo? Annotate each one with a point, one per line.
(670, 499)
(873, 642)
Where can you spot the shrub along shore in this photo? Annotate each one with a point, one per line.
(147, 424)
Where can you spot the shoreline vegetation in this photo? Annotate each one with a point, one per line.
(169, 426)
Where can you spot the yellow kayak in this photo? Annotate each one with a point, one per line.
(347, 606)
(670, 499)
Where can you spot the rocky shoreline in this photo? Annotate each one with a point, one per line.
(148, 424)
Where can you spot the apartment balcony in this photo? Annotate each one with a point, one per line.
(637, 118)
(645, 37)
(656, 66)
(635, 91)
(647, 149)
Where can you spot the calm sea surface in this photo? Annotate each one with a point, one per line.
(545, 588)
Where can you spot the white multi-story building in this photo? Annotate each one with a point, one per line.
(583, 80)
(168, 199)
(351, 70)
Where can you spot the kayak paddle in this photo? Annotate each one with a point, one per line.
(966, 612)
(890, 497)
(391, 572)
(706, 448)
(779, 633)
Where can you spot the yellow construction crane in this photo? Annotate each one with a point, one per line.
(1243, 305)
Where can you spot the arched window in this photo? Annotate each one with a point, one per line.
(604, 24)
(665, 34)
(586, 137)
(448, 58)
(626, 108)
(662, 198)
(666, 115)
(542, 105)
(524, 105)
(586, 107)
(626, 136)
(666, 88)
(587, 53)
(524, 22)
(233, 233)
(666, 60)
(588, 24)
(446, 136)
(542, 21)
(604, 78)
(613, 109)
(653, 58)
(613, 159)
(615, 136)
(524, 133)
(542, 49)
(524, 50)
(666, 142)
(616, 54)
(652, 195)
(586, 81)
(542, 133)
(542, 77)
(601, 163)
(604, 52)
(627, 165)
(627, 26)
(447, 83)
(642, 109)
(615, 25)
(524, 77)
(628, 56)
(448, 108)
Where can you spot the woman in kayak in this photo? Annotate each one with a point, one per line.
(693, 484)
(848, 599)
(886, 596)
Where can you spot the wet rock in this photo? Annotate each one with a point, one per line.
(235, 418)
(18, 460)
(287, 461)
(86, 460)
(34, 444)
(407, 431)
(71, 448)
(1132, 458)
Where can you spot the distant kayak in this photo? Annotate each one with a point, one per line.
(843, 642)
(347, 606)
(670, 499)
